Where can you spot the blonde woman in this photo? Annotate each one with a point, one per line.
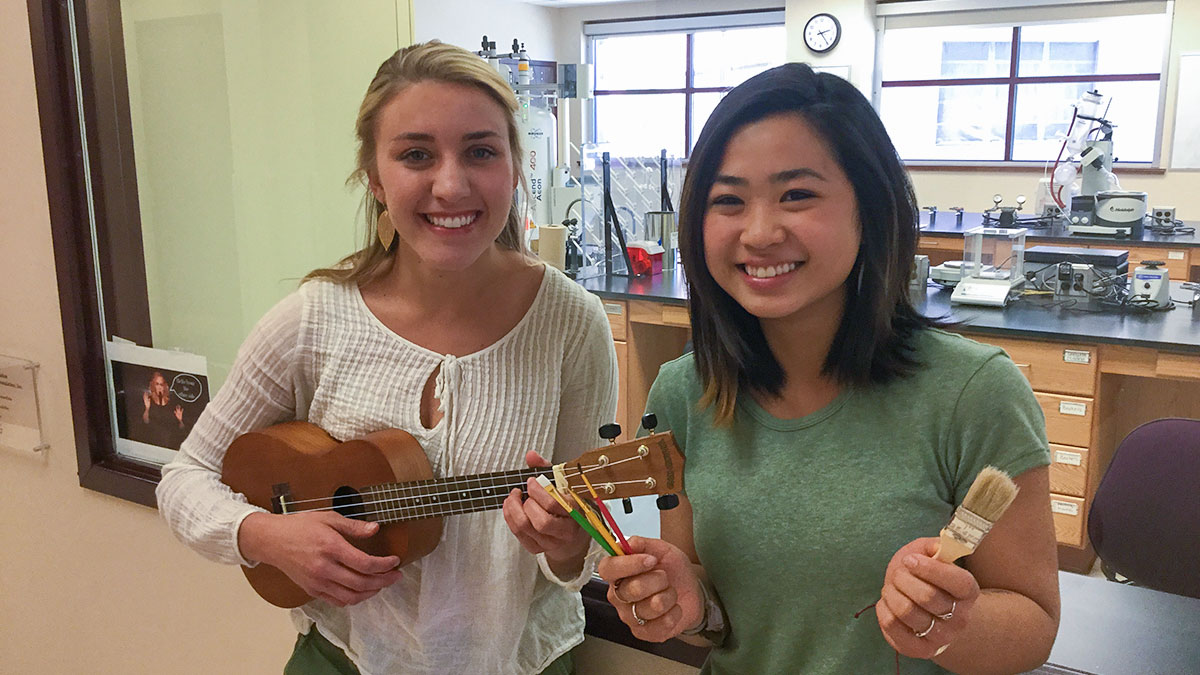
(444, 326)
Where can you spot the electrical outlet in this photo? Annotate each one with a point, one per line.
(1163, 214)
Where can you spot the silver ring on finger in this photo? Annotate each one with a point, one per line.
(633, 610)
(927, 631)
(616, 589)
(948, 615)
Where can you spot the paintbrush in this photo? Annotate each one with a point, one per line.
(986, 501)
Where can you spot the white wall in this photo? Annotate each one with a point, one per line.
(464, 22)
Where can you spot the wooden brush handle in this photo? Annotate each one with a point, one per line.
(951, 549)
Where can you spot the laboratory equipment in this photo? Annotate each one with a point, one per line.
(992, 266)
(1152, 284)
(545, 139)
(1089, 141)
(1007, 216)
(1121, 211)
(920, 273)
(1072, 271)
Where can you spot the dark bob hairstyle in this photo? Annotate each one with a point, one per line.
(873, 342)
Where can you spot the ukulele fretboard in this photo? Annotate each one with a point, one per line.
(396, 502)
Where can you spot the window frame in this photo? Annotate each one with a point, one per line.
(973, 18)
(689, 24)
(82, 104)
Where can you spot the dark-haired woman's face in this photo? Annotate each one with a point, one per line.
(781, 229)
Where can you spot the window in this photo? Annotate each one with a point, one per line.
(995, 92)
(657, 81)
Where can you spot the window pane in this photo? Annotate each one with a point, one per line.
(1044, 113)
(640, 125)
(702, 107)
(657, 61)
(951, 123)
(938, 53)
(1102, 46)
(726, 58)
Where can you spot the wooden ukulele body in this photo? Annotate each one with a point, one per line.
(299, 464)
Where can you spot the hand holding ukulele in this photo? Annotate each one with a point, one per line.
(542, 525)
(314, 551)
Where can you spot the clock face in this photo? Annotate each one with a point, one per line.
(822, 32)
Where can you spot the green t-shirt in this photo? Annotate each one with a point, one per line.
(795, 520)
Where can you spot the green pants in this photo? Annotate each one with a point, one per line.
(315, 655)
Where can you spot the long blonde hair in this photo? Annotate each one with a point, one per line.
(431, 60)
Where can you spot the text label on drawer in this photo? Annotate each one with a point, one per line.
(613, 308)
(1077, 356)
(1072, 408)
(1066, 457)
(1174, 255)
(1065, 508)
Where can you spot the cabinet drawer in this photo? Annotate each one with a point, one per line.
(1068, 418)
(1068, 469)
(1175, 258)
(1052, 366)
(658, 313)
(615, 311)
(952, 243)
(1068, 514)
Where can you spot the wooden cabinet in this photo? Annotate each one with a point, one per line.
(1064, 380)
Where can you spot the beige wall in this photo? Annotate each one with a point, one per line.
(88, 583)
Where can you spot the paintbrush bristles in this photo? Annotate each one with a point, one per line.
(991, 494)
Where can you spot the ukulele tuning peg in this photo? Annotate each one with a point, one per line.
(610, 431)
(667, 502)
(627, 505)
(649, 421)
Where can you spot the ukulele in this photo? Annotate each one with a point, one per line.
(385, 477)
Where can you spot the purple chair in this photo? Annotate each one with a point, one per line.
(1145, 517)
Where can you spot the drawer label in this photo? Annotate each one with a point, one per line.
(613, 308)
(1067, 457)
(1064, 508)
(1072, 408)
(1077, 356)
(1174, 255)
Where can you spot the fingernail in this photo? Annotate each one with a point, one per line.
(650, 561)
(911, 562)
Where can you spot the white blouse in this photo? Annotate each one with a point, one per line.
(477, 603)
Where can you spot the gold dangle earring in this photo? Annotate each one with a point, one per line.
(385, 229)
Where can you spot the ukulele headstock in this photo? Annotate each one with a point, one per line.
(651, 465)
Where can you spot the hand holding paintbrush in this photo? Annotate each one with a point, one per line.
(919, 595)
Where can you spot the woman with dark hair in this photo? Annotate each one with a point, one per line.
(830, 429)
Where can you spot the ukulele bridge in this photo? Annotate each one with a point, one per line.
(280, 493)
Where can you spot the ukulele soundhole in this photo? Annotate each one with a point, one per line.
(348, 502)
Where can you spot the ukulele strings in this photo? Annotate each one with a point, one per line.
(404, 491)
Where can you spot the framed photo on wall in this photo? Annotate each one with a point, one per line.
(157, 397)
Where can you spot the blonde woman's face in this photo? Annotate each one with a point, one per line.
(158, 385)
(444, 169)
